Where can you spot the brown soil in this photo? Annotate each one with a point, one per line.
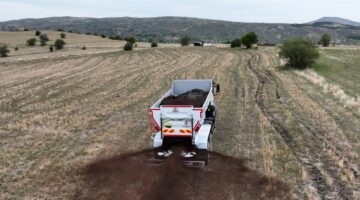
(130, 177)
(195, 98)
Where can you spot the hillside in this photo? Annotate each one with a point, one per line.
(170, 29)
(336, 20)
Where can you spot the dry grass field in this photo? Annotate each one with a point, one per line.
(58, 114)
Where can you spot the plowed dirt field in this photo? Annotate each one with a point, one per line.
(63, 120)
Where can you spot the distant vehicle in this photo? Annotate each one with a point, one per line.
(198, 44)
(185, 115)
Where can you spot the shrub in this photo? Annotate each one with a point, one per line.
(43, 39)
(51, 48)
(185, 41)
(151, 40)
(128, 46)
(154, 44)
(249, 39)
(103, 36)
(84, 48)
(235, 43)
(16, 48)
(62, 35)
(31, 42)
(4, 50)
(301, 53)
(26, 29)
(118, 37)
(60, 30)
(132, 40)
(37, 33)
(325, 40)
(59, 44)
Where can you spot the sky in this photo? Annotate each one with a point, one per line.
(270, 11)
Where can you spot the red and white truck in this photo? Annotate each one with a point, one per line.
(185, 116)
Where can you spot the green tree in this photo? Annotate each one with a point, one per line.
(63, 35)
(31, 42)
(151, 40)
(43, 39)
(325, 40)
(249, 39)
(301, 53)
(132, 40)
(185, 41)
(154, 44)
(4, 50)
(59, 44)
(235, 43)
(128, 46)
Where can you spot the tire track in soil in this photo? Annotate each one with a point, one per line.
(174, 177)
(266, 79)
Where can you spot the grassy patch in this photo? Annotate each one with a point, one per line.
(342, 67)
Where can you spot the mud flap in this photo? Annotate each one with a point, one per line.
(157, 140)
(202, 137)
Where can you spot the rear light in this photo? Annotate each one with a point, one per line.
(197, 128)
(157, 128)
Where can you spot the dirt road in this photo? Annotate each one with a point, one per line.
(59, 115)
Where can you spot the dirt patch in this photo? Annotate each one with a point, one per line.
(131, 177)
(194, 97)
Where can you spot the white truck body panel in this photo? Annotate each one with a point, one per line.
(199, 131)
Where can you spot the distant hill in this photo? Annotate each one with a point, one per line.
(336, 20)
(170, 29)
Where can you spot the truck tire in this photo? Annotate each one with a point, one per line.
(210, 143)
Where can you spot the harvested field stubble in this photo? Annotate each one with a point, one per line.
(57, 115)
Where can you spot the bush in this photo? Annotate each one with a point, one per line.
(185, 41)
(154, 44)
(31, 42)
(118, 37)
(84, 48)
(235, 43)
(301, 53)
(128, 46)
(16, 48)
(43, 39)
(132, 40)
(26, 29)
(103, 36)
(151, 40)
(60, 30)
(4, 50)
(325, 40)
(59, 44)
(62, 35)
(37, 33)
(51, 48)
(249, 39)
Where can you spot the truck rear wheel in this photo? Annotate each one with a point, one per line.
(209, 145)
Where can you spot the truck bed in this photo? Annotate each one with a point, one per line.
(195, 97)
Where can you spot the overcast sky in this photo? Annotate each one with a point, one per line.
(288, 11)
